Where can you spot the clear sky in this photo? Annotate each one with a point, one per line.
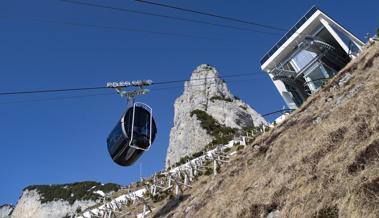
(61, 141)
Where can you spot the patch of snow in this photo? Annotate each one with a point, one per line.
(99, 192)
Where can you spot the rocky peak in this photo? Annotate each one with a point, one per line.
(204, 84)
(206, 92)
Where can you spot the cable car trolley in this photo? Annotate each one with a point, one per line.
(135, 131)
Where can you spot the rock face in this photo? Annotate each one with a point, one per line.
(56, 201)
(6, 211)
(207, 92)
(30, 205)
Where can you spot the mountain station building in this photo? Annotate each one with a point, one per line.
(310, 53)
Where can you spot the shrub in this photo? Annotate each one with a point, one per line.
(171, 196)
(129, 203)
(186, 159)
(79, 209)
(160, 175)
(158, 197)
(239, 147)
(182, 160)
(207, 122)
(208, 172)
(220, 133)
(109, 187)
(203, 182)
(226, 149)
(266, 128)
(72, 192)
(253, 130)
(328, 212)
(197, 154)
(243, 107)
(221, 98)
(210, 146)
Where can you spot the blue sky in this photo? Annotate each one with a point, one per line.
(47, 141)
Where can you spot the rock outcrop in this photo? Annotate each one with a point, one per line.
(57, 201)
(205, 92)
(30, 205)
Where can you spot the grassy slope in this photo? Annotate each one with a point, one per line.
(323, 161)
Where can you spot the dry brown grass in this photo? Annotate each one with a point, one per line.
(322, 162)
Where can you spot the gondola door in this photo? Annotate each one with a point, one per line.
(141, 127)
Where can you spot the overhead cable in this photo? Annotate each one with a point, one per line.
(101, 94)
(52, 90)
(211, 15)
(118, 28)
(55, 98)
(165, 16)
(278, 111)
(104, 87)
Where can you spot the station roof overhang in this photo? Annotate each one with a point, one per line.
(306, 26)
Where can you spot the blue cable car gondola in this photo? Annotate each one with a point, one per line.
(132, 135)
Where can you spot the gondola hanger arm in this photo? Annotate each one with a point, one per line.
(122, 85)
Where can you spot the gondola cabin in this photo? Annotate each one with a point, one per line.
(132, 135)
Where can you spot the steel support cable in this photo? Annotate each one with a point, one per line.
(89, 4)
(118, 28)
(181, 86)
(213, 15)
(55, 98)
(186, 19)
(52, 90)
(222, 17)
(278, 111)
(103, 87)
(99, 94)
